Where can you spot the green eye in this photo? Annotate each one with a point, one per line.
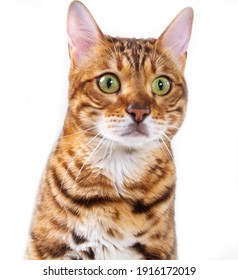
(161, 86)
(109, 83)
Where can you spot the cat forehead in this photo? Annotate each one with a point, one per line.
(134, 51)
(133, 44)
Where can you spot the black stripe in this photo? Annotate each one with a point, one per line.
(121, 48)
(77, 90)
(52, 250)
(90, 254)
(58, 250)
(57, 224)
(70, 152)
(97, 104)
(135, 56)
(128, 59)
(140, 207)
(78, 239)
(92, 201)
(82, 201)
(141, 233)
(56, 178)
(33, 236)
(143, 250)
(143, 60)
(75, 211)
(89, 202)
(178, 109)
(69, 171)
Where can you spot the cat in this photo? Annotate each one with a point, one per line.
(109, 186)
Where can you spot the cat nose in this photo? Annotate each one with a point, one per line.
(138, 112)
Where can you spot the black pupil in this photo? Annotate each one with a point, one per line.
(109, 82)
(160, 85)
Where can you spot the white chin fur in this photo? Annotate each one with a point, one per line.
(132, 141)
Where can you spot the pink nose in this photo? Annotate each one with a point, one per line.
(138, 112)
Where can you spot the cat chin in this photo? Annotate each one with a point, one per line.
(135, 141)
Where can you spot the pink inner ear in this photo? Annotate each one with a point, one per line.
(177, 35)
(82, 30)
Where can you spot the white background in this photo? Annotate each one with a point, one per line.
(34, 66)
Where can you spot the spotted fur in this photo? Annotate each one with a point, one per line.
(105, 194)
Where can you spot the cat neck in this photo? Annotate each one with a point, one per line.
(122, 165)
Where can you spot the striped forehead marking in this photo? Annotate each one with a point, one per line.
(136, 51)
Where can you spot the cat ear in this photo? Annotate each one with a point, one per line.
(177, 35)
(83, 32)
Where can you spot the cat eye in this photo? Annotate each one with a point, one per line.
(109, 83)
(161, 86)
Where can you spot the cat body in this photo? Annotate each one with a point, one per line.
(109, 186)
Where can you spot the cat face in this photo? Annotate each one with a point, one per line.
(130, 91)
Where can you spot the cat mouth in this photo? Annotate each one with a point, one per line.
(136, 130)
(134, 133)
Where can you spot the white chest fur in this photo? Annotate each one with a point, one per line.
(103, 246)
(122, 165)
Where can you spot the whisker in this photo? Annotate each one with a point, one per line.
(169, 152)
(161, 55)
(110, 154)
(167, 137)
(172, 126)
(88, 158)
(72, 160)
(81, 132)
(162, 148)
(109, 142)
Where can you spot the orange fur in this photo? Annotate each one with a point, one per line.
(99, 198)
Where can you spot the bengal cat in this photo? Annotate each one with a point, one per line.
(109, 186)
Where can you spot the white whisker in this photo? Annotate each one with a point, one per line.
(72, 159)
(172, 126)
(162, 148)
(112, 143)
(169, 152)
(81, 132)
(167, 137)
(88, 158)
(106, 150)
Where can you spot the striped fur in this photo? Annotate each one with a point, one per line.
(104, 195)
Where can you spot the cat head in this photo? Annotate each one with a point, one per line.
(130, 91)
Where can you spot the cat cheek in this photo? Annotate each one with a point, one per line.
(114, 125)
